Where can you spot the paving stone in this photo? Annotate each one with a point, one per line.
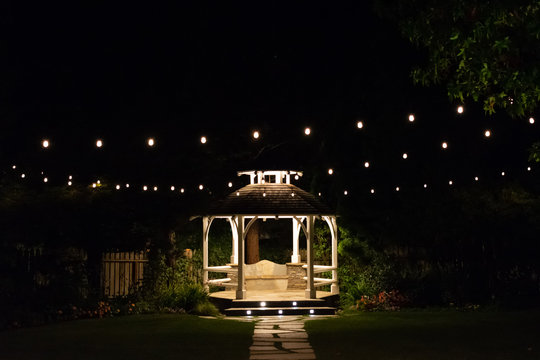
(283, 357)
(295, 345)
(262, 348)
(271, 331)
(281, 340)
(298, 335)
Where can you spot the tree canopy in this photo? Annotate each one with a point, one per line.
(488, 51)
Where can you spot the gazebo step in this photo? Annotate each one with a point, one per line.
(275, 311)
(277, 303)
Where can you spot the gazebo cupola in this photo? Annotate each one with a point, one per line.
(270, 195)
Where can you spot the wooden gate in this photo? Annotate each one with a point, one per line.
(121, 272)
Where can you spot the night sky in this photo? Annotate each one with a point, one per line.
(76, 71)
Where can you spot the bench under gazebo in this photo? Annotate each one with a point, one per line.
(270, 195)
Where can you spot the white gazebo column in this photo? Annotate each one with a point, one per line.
(240, 290)
(234, 231)
(295, 258)
(310, 290)
(206, 226)
(334, 288)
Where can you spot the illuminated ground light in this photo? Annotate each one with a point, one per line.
(330, 171)
(311, 311)
(172, 188)
(45, 180)
(404, 156)
(263, 303)
(248, 312)
(294, 303)
(366, 164)
(99, 143)
(359, 124)
(117, 187)
(397, 188)
(201, 187)
(280, 312)
(256, 134)
(487, 133)
(476, 178)
(307, 131)
(411, 117)
(155, 188)
(45, 143)
(531, 120)
(145, 188)
(151, 142)
(229, 184)
(444, 145)
(372, 191)
(460, 109)
(203, 139)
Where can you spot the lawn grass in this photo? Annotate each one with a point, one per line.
(429, 335)
(131, 337)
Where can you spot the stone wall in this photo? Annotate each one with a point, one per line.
(296, 274)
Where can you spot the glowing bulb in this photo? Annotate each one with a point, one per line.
(292, 194)
(528, 168)
(99, 143)
(345, 192)
(45, 180)
(229, 184)
(69, 183)
(372, 191)
(476, 178)
(151, 142)
(45, 143)
(264, 194)
(411, 117)
(450, 182)
(182, 190)
(94, 185)
(531, 120)
(203, 139)
(330, 171)
(248, 312)
(256, 134)
(359, 124)
(405, 155)
(155, 188)
(238, 193)
(320, 194)
(366, 164)
(280, 312)
(99, 182)
(312, 311)
(172, 188)
(145, 188)
(397, 188)
(296, 177)
(117, 187)
(23, 176)
(444, 145)
(487, 133)
(14, 167)
(460, 109)
(503, 173)
(307, 131)
(294, 303)
(70, 177)
(263, 304)
(425, 186)
(201, 187)
(127, 185)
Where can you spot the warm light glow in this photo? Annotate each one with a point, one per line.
(320, 194)
(145, 188)
(201, 187)
(229, 184)
(117, 187)
(99, 182)
(45, 179)
(460, 109)
(444, 145)
(476, 178)
(405, 155)
(345, 192)
(294, 303)
(238, 193)
(151, 142)
(487, 133)
(292, 194)
(172, 188)
(14, 167)
(264, 194)
(70, 177)
(203, 139)
(450, 182)
(531, 120)
(330, 171)
(503, 173)
(296, 177)
(425, 186)
(280, 312)
(411, 117)
(397, 188)
(528, 168)
(263, 181)
(155, 188)
(99, 143)
(45, 143)
(256, 134)
(182, 190)
(69, 183)
(366, 164)
(307, 131)
(94, 185)
(263, 303)
(359, 124)
(372, 191)
(127, 185)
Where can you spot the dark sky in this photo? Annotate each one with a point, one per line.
(76, 71)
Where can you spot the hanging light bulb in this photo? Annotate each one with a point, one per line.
(366, 164)
(397, 188)
(127, 185)
(229, 184)
(345, 192)
(145, 188)
(360, 124)
(45, 143)
(405, 156)
(444, 145)
(411, 117)
(528, 168)
(531, 120)
(155, 188)
(372, 191)
(487, 133)
(182, 190)
(203, 139)
(256, 134)
(172, 188)
(330, 171)
(69, 183)
(460, 109)
(476, 178)
(450, 182)
(99, 143)
(201, 187)
(151, 142)
(117, 187)
(45, 180)
(425, 186)
(307, 131)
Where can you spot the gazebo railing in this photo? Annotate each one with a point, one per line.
(318, 269)
(223, 281)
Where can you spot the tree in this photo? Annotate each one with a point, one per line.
(488, 51)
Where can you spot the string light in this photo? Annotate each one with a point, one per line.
(444, 145)
(330, 171)
(425, 186)
(99, 182)
(405, 156)
(69, 183)
(411, 117)
(460, 109)
(487, 133)
(172, 188)
(99, 143)
(182, 190)
(117, 187)
(531, 120)
(23, 176)
(229, 184)
(45, 180)
(155, 188)
(366, 164)
(476, 178)
(127, 185)
(45, 143)
(307, 131)
(320, 194)
(70, 177)
(256, 134)
(151, 142)
(201, 187)
(503, 173)
(203, 139)
(94, 185)
(372, 191)
(292, 194)
(397, 188)
(528, 168)
(238, 193)
(296, 177)
(345, 192)
(450, 183)
(360, 124)
(264, 194)
(145, 188)
(14, 167)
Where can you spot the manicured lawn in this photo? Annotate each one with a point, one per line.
(429, 335)
(131, 337)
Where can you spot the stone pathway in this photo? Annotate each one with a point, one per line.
(281, 338)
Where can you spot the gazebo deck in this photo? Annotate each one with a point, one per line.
(269, 295)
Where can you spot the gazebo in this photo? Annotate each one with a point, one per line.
(270, 195)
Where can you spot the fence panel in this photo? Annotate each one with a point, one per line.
(121, 272)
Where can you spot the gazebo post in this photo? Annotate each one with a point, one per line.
(205, 252)
(234, 255)
(334, 288)
(240, 291)
(295, 258)
(310, 290)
